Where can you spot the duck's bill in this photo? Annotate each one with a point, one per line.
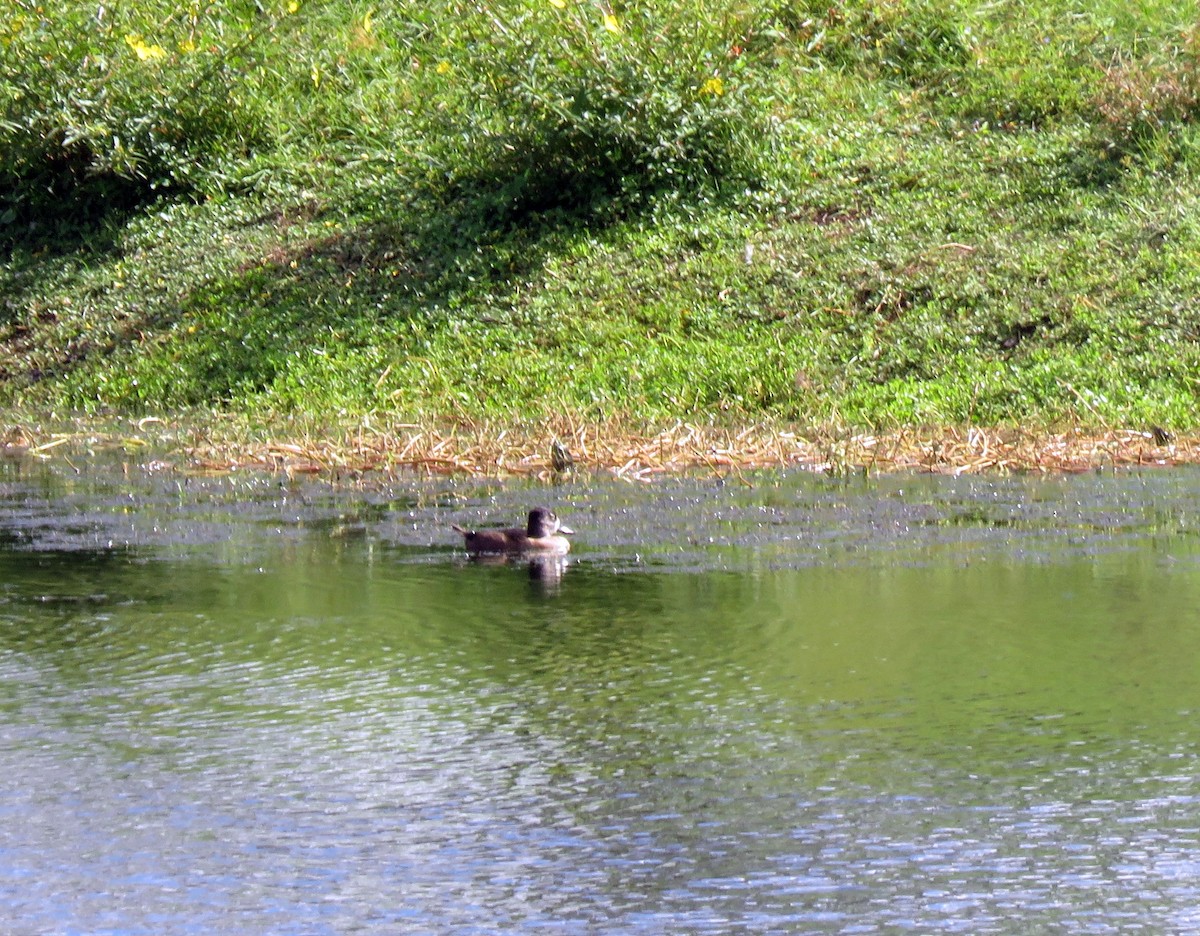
(565, 529)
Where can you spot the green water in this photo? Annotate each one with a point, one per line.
(917, 705)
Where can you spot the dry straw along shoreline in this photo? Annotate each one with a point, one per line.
(482, 450)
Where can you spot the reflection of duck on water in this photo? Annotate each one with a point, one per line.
(545, 570)
(542, 536)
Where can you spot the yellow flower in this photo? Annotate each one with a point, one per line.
(293, 6)
(714, 86)
(14, 29)
(443, 68)
(187, 46)
(366, 21)
(145, 53)
(611, 24)
(559, 4)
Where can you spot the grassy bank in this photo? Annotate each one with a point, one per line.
(830, 218)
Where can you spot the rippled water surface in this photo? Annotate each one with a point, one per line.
(777, 704)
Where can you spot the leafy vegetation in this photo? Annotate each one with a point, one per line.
(873, 213)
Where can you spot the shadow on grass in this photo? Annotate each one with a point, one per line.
(68, 209)
(420, 262)
(66, 215)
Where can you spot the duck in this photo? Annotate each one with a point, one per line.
(543, 534)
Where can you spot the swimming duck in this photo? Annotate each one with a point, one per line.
(542, 534)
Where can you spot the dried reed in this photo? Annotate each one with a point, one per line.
(633, 455)
(640, 456)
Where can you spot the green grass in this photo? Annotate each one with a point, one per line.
(878, 214)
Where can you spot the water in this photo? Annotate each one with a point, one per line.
(914, 704)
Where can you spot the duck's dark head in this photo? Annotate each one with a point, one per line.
(544, 522)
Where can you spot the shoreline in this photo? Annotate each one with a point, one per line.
(623, 452)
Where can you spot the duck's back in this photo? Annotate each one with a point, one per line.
(513, 539)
